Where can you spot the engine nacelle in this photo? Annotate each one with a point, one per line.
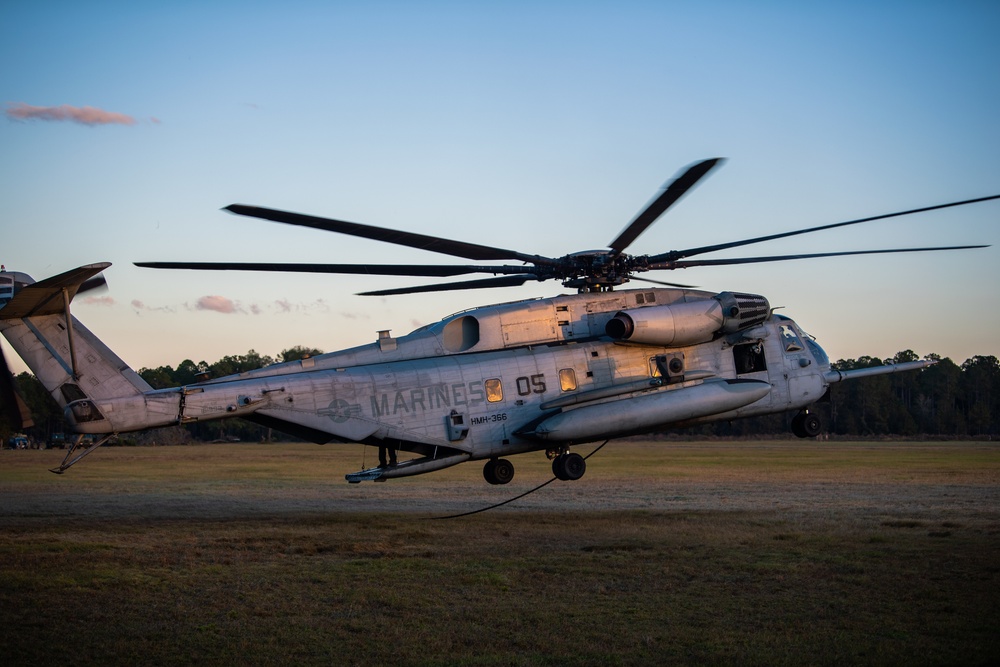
(689, 322)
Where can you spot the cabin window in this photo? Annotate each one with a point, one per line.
(567, 379)
(494, 390)
(749, 358)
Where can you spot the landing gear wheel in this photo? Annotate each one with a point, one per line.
(498, 471)
(797, 429)
(812, 425)
(807, 425)
(569, 467)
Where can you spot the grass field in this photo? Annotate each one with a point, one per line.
(680, 553)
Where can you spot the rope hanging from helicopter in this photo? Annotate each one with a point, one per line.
(510, 500)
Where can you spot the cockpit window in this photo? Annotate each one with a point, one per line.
(818, 353)
(789, 339)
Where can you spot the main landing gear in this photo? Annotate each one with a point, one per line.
(498, 471)
(566, 465)
(807, 424)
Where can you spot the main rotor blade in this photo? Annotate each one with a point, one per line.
(684, 264)
(435, 270)
(504, 281)
(667, 197)
(679, 254)
(660, 282)
(411, 239)
(97, 282)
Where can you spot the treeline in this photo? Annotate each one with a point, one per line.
(945, 400)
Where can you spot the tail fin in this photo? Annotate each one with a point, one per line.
(70, 361)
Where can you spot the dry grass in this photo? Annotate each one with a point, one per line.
(776, 553)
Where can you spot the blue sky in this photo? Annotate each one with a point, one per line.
(537, 126)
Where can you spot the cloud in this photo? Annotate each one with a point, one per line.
(67, 113)
(99, 301)
(227, 306)
(219, 304)
(140, 306)
(285, 306)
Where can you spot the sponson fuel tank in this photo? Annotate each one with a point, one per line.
(689, 322)
(641, 413)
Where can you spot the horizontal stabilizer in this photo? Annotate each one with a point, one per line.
(46, 296)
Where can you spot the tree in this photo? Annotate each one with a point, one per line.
(187, 372)
(298, 352)
(979, 388)
(159, 378)
(234, 365)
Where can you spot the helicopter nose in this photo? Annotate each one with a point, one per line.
(822, 358)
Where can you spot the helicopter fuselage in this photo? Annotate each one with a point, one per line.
(542, 374)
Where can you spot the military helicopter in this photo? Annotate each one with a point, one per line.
(544, 374)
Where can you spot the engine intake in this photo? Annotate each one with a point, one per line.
(689, 322)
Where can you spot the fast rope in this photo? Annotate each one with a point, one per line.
(510, 500)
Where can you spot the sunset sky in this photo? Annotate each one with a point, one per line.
(542, 127)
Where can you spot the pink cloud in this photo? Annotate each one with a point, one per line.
(67, 113)
(219, 304)
(99, 301)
